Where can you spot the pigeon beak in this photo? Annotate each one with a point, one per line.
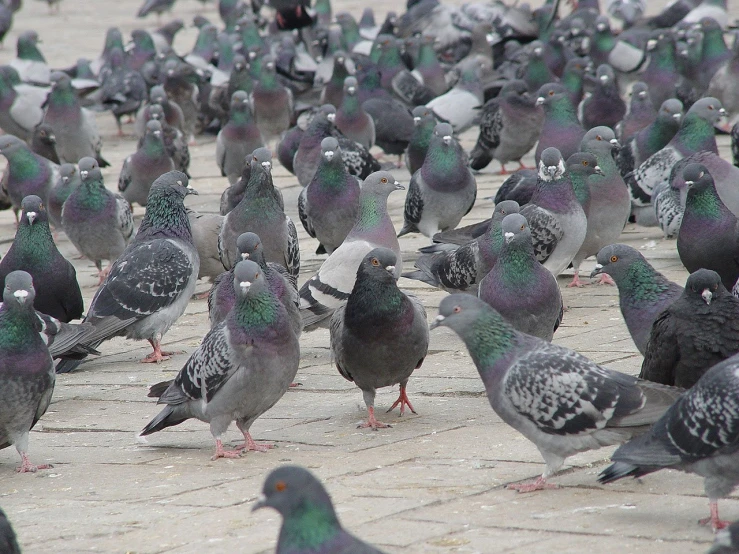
(642, 94)
(65, 180)
(245, 255)
(539, 101)
(416, 120)
(329, 155)
(351, 90)
(21, 295)
(508, 237)
(244, 286)
(437, 322)
(267, 166)
(447, 139)
(537, 51)
(689, 183)
(398, 186)
(615, 143)
(390, 269)
(601, 27)
(83, 173)
(259, 504)
(31, 217)
(597, 271)
(598, 170)
(331, 117)
(651, 44)
(706, 295)
(722, 112)
(552, 170)
(157, 133)
(52, 138)
(191, 190)
(603, 78)
(677, 116)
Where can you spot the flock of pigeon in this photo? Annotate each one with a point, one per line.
(320, 91)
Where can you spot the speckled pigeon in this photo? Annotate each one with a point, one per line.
(98, 222)
(380, 336)
(33, 250)
(644, 293)
(698, 434)
(241, 369)
(238, 138)
(443, 190)
(150, 284)
(310, 523)
(144, 166)
(558, 399)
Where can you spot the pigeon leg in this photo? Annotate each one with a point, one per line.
(371, 422)
(293, 385)
(201, 295)
(522, 166)
(399, 163)
(503, 170)
(403, 401)
(28, 467)
(576, 282)
(605, 279)
(713, 519)
(156, 356)
(221, 453)
(540, 484)
(251, 444)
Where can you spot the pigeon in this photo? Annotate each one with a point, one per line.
(695, 134)
(561, 128)
(334, 90)
(69, 179)
(558, 399)
(6, 21)
(289, 146)
(609, 202)
(644, 293)
(310, 523)
(20, 111)
(519, 287)
(573, 79)
(74, 127)
(641, 113)
(29, 62)
(460, 105)
(33, 250)
(696, 435)
(328, 206)
(708, 233)
(144, 166)
(150, 284)
(393, 124)
(556, 218)
(661, 73)
(652, 138)
(43, 142)
(8, 541)
(272, 103)
(509, 127)
(697, 331)
(238, 138)
(172, 111)
(604, 106)
(380, 336)
(98, 222)
(155, 6)
(518, 186)
(329, 288)
(351, 119)
(424, 122)
(27, 371)
(443, 190)
(241, 369)
(175, 141)
(206, 228)
(27, 173)
(461, 269)
(261, 212)
(429, 69)
(122, 90)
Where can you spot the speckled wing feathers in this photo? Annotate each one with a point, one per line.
(546, 230)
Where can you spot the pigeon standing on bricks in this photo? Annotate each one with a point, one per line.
(238, 138)
(144, 166)
(561, 128)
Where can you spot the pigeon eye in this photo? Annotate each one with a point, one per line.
(585, 163)
(701, 175)
(383, 180)
(280, 486)
(599, 137)
(375, 262)
(710, 107)
(551, 93)
(715, 287)
(457, 309)
(614, 258)
(522, 227)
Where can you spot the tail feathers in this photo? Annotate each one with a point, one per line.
(157, 390)
(480, 157)
(619, 470)
(315, 316)
(408, 228)
(438, 247)
(168, 417)
(420, 275)
(68, 364)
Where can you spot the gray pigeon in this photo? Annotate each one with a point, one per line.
(519, 287)
(561, 128)
(69, 179)
(558, 399)
(150, 284)
(305, 506)
(174, 140)
(206, 228)
(260, 212)
(27, 371)
(8, 541)
(272, 103)
(640, 115)
(424, 122)
(461, 269)
(698, 434)
(443, 190)
(98, 222)
(238, 138)
(74, 127)
(328, 206)
(144, 166)
(333, 283)
(351, 119)
(644, 293)
(380, 336)
(21, 111)
(609, 203)
(241, 369)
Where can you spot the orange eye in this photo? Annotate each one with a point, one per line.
(585, 163)
(457, 309)
(383, 180)
(614, 258)
(375, 262)
(551, 93)
(599, 137)
(280, 486)
(710, 107)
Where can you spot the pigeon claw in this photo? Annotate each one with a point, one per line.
(605, 279)
(540, 484)
(28, 467)
(222, 453)
(251, 444)
(715, 522)
(403, 401)
(372, 423)
(576, 282)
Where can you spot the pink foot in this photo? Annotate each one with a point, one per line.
(605, 279)
(201, 295)
(576, 282)
(293, 385)
(103, 274)
(28, 467)
(540, 484)
(157, 356)
(503, 170)
(251, 444)
(716, 522)
(221, 453)
(372, 423)
(403, 401)
(521, 166)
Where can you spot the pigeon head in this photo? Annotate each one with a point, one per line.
(584, 164)
(249, 246)
(445, 132)
(10, 144)
(463, 313)
(600, 138)
(514, 88)
(575, 67)
(60, 81)
(239, 100)
(551, 165)
(640, 90)
(708, 108)
(239, 62)
(18, 289)
(378, 264)
(66, 172)
(537, 49)
(505, 208)
(697, 176)
(704, 283)
(515, 228)
(166, 214)
(261, 160)
(89, 169)
(33, 210)
(602, 24)
(420, 113)
(154, 128)
(550, 93)
(380, 183)
(618, 261)
(329, 111)
(26, 46)
(157, 95)
(156, 112)
(247, 275)
(605, 74)
(171, 185)
(45, 133)
(329, 148)
(350, 86)
(294, 491)
(671, 109)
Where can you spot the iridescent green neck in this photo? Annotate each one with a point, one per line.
(561, 110)
(24, 164)
(250, 37)
(309, 527)
(63, 97)
(258, 310)
(17, 326)
(350, 104)
(696, 133)
(268, 79)
(489, 340)
(427, 56)
(332, 175)
(27, 50)
(704, 202)
(580, 187)
(350, 32)
(517, 264)
(372, 209)
(34, 243)
(154, 146)
(92, 195)
(642, 283)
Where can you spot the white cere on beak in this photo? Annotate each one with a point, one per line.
(508, 236)
(447, 139)
(707, 296)
(677, 116)
(31, 217)
(245, 255)
(331, 117)
(440, 318)
(643, 94)
(329, 155)
(539, 100)
(157, 133)
(689, 183)
(83, 173)
(351, 90)
(603, 78)
(390, 268)
(722, 111)
(267, 166)
(614, 142)
(416, 119)
(179, 182)
(244, 286)
(598, 266)
(21, 295)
